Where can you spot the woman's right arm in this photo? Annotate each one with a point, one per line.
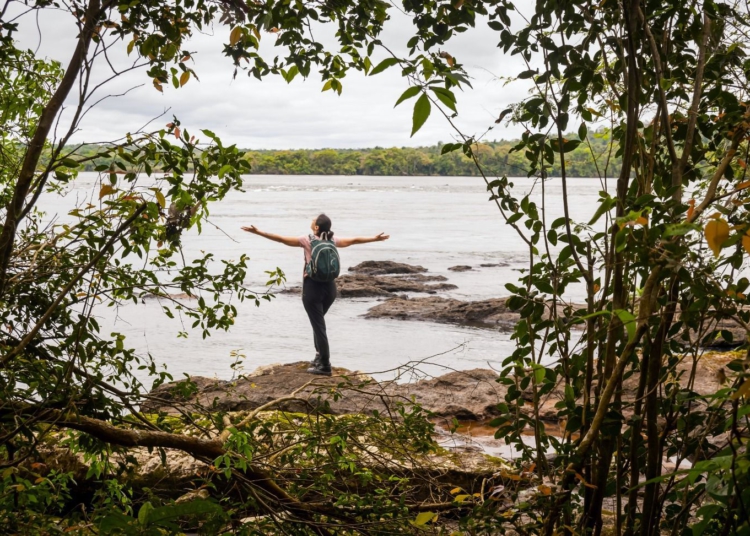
(292, 241)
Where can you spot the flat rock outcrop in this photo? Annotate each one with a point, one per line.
(485, 313)
(468, 395)
(461, 268)
(375, 279)
(386, 267)
(465, 395)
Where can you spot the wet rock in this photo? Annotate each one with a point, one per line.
(494, 265)
(484, 313)
(460, 268)
(386, 267)
(374, 286)
(351, 286)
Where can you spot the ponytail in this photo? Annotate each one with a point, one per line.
(324, 227)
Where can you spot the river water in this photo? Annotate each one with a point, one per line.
(436, 222)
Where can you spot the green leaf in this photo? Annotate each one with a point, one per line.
(605, 206)
(445, 96)
(408, 94)
(582, 131)
(291, 73)
(144, 512)
(628, 320)
(707, 512)
(69, 162)
(449, 147)
(191, 508)
(383, 65)
(422, 110)
(327, 85)
(679, 229)
(539, 372)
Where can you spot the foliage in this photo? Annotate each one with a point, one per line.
(623, 365)
(60, 371)
(667, 79)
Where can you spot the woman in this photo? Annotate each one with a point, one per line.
(317, 297)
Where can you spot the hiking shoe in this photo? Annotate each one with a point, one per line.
(320, 370)
(316, 361)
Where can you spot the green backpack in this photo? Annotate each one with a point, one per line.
(325, 264)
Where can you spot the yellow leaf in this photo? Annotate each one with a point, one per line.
(691, 208)
(424, 518)
(509, 476)
(743, 185)
(642, 220)
(327, 85)
(461, 498)
(256, 33)
(157, 85)
(184, 78)
(455, 490)
(106, 190)
(130, 46)
(235, 36)
(177, 132)
(544, 489)
(717, 232)
(744, 390)
(160, 198)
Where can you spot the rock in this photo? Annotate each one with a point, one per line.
(386, 267)
(465, 395)
(374, 286)
(351, 286)
(494, 265)
(737, 336)
(485, 313)
(460, 268)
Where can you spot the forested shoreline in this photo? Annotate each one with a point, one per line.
(497, 159)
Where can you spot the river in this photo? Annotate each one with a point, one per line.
(436, 222)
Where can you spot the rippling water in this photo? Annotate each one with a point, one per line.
(436, 222)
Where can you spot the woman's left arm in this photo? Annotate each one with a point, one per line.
(346, 242)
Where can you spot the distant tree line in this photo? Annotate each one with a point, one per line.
(497, 158)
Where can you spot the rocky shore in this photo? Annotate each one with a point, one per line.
(466, 395)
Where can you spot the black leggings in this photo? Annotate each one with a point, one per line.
(317, 298)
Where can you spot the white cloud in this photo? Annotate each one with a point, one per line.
(272, 114)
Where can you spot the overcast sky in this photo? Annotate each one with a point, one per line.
(270, 114)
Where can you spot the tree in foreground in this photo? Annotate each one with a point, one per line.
(65, 382)
(660, 259)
